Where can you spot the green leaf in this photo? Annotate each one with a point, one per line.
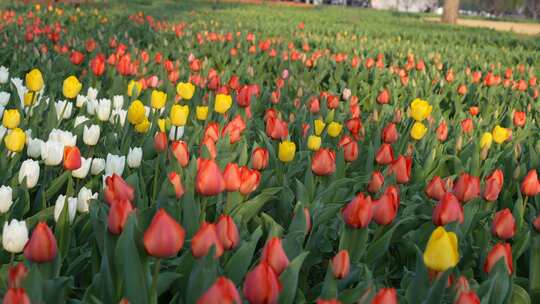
(203, 274)
(289, 278)
(354, 240)
(519, 295)
(379, 247)
(250, 208)
(239, 263)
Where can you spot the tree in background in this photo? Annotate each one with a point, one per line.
(450, 11)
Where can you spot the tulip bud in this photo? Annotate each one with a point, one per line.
(504, 224)
(536, 223)
(341, 264)
(385, 154)
(401, 167)
(29, 171)
(435, 189)
(180, 152)
(160, 141)
(231, 174)
(259, 158)
(249, 180)
(350, 148)
(118, 215)
(376, 182)
(358, 212)
(441, 250)
(72, 158)
(222, 291)
(71, 87)
(204, 239)
(467, 187)
(286, 151)
(530, 185)
(499, 251)
(323, 162)
(6, 198)
(227, 232)
(98, 165)
(59, 206)
(467, 298)
(262, 284)
(16, 296)
(385, 208)
(42, 245)
(448, 210)
(390, 134)
(134, 157)
(494, 183)
(14, 236)
(91, 135)
(385, 296)
(117, 189)
(275, 256)
(209, 180)
(16, 275)
(164, 237)
(83, 198)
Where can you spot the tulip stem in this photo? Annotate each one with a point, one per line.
(156, 172)
(153, 290)
(11, 259)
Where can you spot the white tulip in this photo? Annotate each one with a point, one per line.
(147, 111)
(4, 98)
(120, 115)
(3, 131)
(79, 120)
(30, 171)
(82, 172)
(63, 109)
(115, 164)
(91, 106)
(34, 147)
(52, 152)
(65, 137)
(4, 74)
(134, 157)
(91, 94)
(118, 102)
(98, 165)
(104, 109)
(2, 111)
(80, 101)
(71, 208)
(14, 236)
(91, 135)
(6, 198)
(175, 133)
(84, 197)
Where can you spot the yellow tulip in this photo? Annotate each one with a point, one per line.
(136, 112)
(442, 250)
(71, 87)
(500, 134)
(420, 109)
(486, 140)
(15, 140)
(334, 129)
(418, 130)
(286, 151)
(185, 90)
(134, 88)
(29, 98)
(319, 126)
(143, 126)
(34, 80)
(222, 103)
(201, 112)
(161, 124)
(11, 119)
(314, 142)
(179, 115)
(158, 99)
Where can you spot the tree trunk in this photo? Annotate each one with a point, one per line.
(450, 11)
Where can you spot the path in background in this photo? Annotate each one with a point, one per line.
(516, 27)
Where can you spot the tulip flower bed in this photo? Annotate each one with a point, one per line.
(186, 153)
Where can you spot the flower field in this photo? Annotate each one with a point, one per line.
(204, 152)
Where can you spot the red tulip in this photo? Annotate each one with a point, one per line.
(16, 275)
(385, 296)
(442, 131)
(354, 125)
(210, 145)
(323, 162)
(308, 219)
(314, 105)
(350, 148)
(176, 182)
(16, 296)
(358, 212)
(462, 90)
(494, 183)
(467, 298)
(401, 167)
(41, 247)
(467, 126)
(160, 142)
(341, 264)
(461, 285)
(231, 174)
(536, 223)
(222, 291)
(275, 256)
(234, 129)
(249, 180)
(76, 57)
(376, 182)
(519, 118)
(384, 97)
(164, 237)
(180, 152)
(503, 225)
(209, 180)
(117, 189)
(227, 232)
(118, 215)
(204, 239)
(259, 158)
(390, 134)
(385, 154)
(467, 187)
(499, 251)
(262, 285)
(72, 158)
(212, 131)
(97, 65)
(385, 208)
(276, 128)
(243, 97)
(332, 101)
(530, 185)
(435, 189)
(448, 210)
